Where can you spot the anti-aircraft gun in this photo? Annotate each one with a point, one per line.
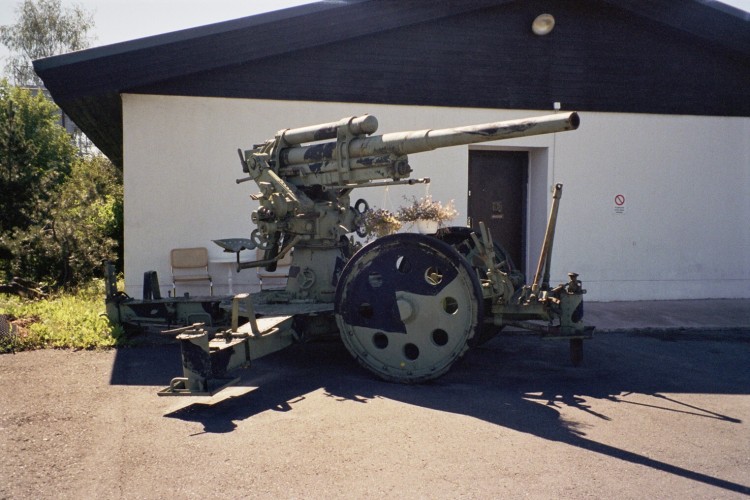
(406, 306)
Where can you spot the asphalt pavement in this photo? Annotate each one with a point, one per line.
(659, 408)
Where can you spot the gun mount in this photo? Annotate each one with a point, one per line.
(305, 190)
(406, 306)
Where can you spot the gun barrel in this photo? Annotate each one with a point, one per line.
(358, 125)
(404, 143)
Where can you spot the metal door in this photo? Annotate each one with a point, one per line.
(497, 195)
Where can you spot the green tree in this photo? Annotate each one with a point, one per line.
(60, 209)
(60, 213)
(36, 155)
(43, 29)
(80, 230)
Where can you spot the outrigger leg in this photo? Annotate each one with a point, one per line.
(206, 362)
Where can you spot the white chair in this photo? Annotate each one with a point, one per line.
(189, 265)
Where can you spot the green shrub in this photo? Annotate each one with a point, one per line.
(80, 230)
(37, 156)
(73, 320)
(60, 212)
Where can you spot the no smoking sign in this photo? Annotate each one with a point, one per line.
(619, 204)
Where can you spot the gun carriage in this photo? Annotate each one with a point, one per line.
(406, 306)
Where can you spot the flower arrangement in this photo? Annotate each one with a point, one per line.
(379, 222)
(426, 208)
(426, 214)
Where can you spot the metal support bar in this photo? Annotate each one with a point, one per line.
(423, 180)
(546, 256)
(249, 310)
(265, 262)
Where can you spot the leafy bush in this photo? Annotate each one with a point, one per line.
(60, 212)
(37, 155)
(80, 230)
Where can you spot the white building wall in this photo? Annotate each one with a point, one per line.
(681, 233)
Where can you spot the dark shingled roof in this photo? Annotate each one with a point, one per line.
(602, 56)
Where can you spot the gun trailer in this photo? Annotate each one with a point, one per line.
(406, 306)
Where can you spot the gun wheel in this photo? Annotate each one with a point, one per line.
(407, 306)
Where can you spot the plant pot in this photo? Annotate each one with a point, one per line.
(426, 226)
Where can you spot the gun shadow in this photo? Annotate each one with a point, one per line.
(519, 383)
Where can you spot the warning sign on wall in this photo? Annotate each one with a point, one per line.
(619, 204)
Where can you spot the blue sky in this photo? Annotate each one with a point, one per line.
(120, 20)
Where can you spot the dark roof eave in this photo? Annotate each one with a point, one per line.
(726, 26)
(142, 62)
(162, 39)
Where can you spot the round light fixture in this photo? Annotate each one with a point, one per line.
(543, 24)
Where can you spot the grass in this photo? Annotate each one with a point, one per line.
(70, 320)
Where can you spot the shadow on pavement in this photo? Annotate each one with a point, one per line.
(502, 382)
(153, 365)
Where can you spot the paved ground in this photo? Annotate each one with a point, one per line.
(652, 413)
(703, 315)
